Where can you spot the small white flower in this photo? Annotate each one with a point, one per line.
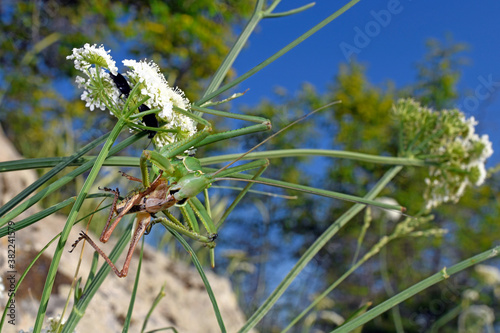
(470, 295)
(89, 55)
(476, 318)
(162, 96)
(391, 215)
(489, 274)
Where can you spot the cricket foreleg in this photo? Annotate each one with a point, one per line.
(129, 177)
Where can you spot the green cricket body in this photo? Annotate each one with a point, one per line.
(190, 185)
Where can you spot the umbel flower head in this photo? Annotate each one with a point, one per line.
(101, 92)
(448, 139)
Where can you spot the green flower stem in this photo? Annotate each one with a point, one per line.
(314, 249)
(311, 190)
(445, 319)
(49, 282)
(281, 153)
(211, 94)
(36, 163)
(221, 72)
(386, 278)
(86, 164)
(413, 290)
(268, 13)
(157, 300)
(128, 318)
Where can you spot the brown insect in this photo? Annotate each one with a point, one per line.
(145, 203)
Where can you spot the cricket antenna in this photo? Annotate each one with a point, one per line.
(275, 134)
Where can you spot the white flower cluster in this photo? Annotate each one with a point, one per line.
(100, 91)
(489, 274)
(153, 84)
(448, 139)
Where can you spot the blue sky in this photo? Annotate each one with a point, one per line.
(390, 53)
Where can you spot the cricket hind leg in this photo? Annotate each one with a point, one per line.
(116, 192)
(143, 221)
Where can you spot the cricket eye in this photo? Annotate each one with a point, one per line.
(181, 202)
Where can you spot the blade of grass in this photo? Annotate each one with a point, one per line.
(51, 274)
(128, 318)
(198, 266)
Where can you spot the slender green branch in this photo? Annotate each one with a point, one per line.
(209, 94)
(289, 12)
(281, 153)
(37, 163)
(415, 289)
(221, 72)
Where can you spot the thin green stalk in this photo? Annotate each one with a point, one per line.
(198, 266)
(157, 300)
(325, 293)
(282, 153)
(128, 318)
(449, 316)
(49, 282)
(386, 278)
(312, 190)
(130, 161)
(64, 180)
(314, 249)
(415, 289)
(239, 197)
(209, 94)
(42, 180)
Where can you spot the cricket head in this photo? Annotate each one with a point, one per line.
(189, 186)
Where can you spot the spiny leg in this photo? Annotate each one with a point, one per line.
(116, 192)
(129, 177)
(143, 220)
